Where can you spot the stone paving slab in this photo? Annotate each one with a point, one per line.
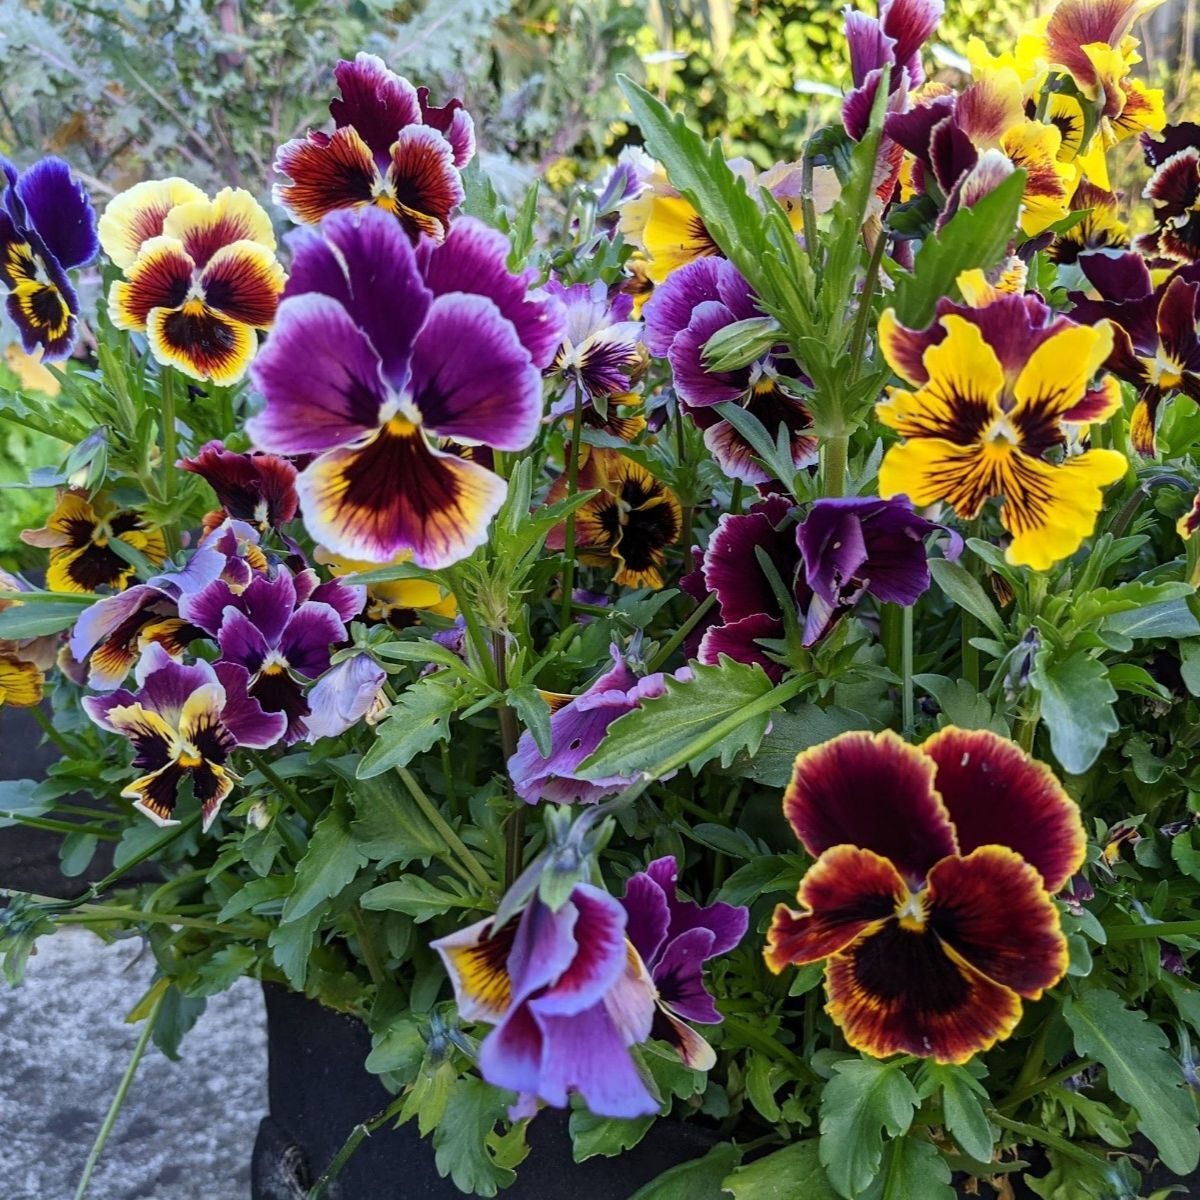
(187, 1128)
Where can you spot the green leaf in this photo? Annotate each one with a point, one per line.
(974, 237)
(1141, 1070)
(534, 713)
(699, 1179)
(465, 1137)
(787, 1174)
(76, 852)
(291, 944)
(389, 827)
(1077, 707)
(271, 889)
(19, 796)
(37, 620)
(740, 344)
(176, 1015)
(795, 730)
(399, 1050)
(961, 704)
(411, 895)
(667, 724)
(967, 592)
(912, 1168)
(608, 1136)
(963, 1109)
(864, 1100)
(222, 970)
(1168, 619)
(331, 861)
(416, 722)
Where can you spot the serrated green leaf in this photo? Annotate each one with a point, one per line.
(462, 1142)
(912, 1168)
(331, 861)
(967, 592)
(399, 1050)
(699, 1179)
(962, 1106)
(605, 1136)
(793, 731)
(787, 1174)
(1077, 707)
(412, 895)
(1141, 1070)
(291, 944)
(388, 826)
(418, 720)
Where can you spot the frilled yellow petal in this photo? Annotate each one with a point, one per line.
(201, 343)
(20, 682)
(204, 226)
(932, 469)
(979, 291)
(1033, 147)
(675, 235)
(398, 594)
(1092, 163)
(1143, 111)
(137, 215)
(1056, 375)
(1050, 509)
(161, 277)
(991, 106)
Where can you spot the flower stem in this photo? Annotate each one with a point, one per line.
(1129, 933)
(452, 840)
(908, 709)
(677, 637)
(685, 533)
(48, 729)
(289, 793)
(474, 630)
(862, 320)
(834, 452)
(170, 452)
(52, 826)
(118, 1101)
(366, 946)
(361, 1131)
(514, 833)
(572, 447)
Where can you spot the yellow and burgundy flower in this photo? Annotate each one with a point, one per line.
(259, 489)
(629, 523)
(47, 228)
(405, 351)
(998, 390)
(390, 149)
(201, 289)
(399, 602)
(79, 537)
(1156, 347)
(1174, 194)
(1101, 229)
(184, 723)
(134, 216)
(930, 898)
(23, 663)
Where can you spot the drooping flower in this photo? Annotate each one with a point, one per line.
(674, 939)
(382, 328)
(930, 897)
(390, 149)
(259, 489)
(1174, 194)
(184, 723)
(47, 228)
(577, 727)
(1155, 347)
(567, 997)
(998, 388)
(201, 287)
(600, 357)
(79, 534)
(696, 303)
(343, 696)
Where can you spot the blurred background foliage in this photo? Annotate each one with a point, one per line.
(208, 88)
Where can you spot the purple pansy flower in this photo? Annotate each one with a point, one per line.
(576, 730)
(184, 722)
(675, 938)
(47, 227)
(343, 696)
(696, 302)
(403, 348)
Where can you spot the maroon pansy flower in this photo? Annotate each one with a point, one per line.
(259, 489)
(1174, 193)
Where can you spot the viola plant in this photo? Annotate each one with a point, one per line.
(723, 651)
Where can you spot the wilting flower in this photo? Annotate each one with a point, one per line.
(202, 280)
(1101, 229)
(567, 997)
(577, 727)
(390, 149)
(184, 722)
(1174, 194)
(601, 357)
(281, 630)
(259, 489)
(1155, 343)
(674, 939)
(47, 227)
(627, 525)
(852, 546)
(998, 388)
(343, 696)
(697, 302)
(931, 893)
(382, 330)
(79, 538)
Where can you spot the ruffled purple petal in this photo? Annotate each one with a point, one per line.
(165, 684)
(58, 207)
(739, 640)
(731, 565)
(870, 48)
(648, 913)
(375, 101)
(453, 122)
(241, 641)
(312, 632)
(670, 307)
(726, 922)
(343, 696)
(599, 959)
(679, 976)
(243, 716)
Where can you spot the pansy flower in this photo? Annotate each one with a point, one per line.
(201, 288)
(997, 390)
(600, 358)
(399, 602)
(696, 303)
(47, 228)
(577, 727)
(390, 149)
(24, 662)
(1100, 229)
(1174, 194)
(383, 331)
(674, 939)
(567, 998)
(1156, 347)
(184, 723)
(346, 694)
(79, 534)
(930, 898)
(259, 489)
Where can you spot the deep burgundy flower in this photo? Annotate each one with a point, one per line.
(259, 489)
(1174, 193)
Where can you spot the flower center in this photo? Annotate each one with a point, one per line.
(1002, 432)
(912, 914)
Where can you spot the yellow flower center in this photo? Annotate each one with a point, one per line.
(912, 914)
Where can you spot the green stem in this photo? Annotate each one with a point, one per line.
(906, 663)
(478, 639)
(170, 451)
(1018, 1096)
(685, 534)
(118, 1101)
(514, 831)
(1027, 731)
(289, 793)
(366, 945)
(48, 729)
(89, 914)
(862, 320)
(1034, 1133)
(572, 447)
(1131, 933)
(771, 1047)
(834, 453)
(676, 640)
(361, 1131)
(52, 826)
(452, 840)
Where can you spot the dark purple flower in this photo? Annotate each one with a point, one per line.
(343, 696)
(576, 730)
(1174, 193)
(259, 489)
(675, 938)
(47, 227)
(184, 722)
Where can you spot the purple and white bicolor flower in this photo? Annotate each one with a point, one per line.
(343, 696)
(184, 722)
(576, 729)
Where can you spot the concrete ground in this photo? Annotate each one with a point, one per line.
(187, 1128)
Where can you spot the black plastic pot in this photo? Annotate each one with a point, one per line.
(319, 1091)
